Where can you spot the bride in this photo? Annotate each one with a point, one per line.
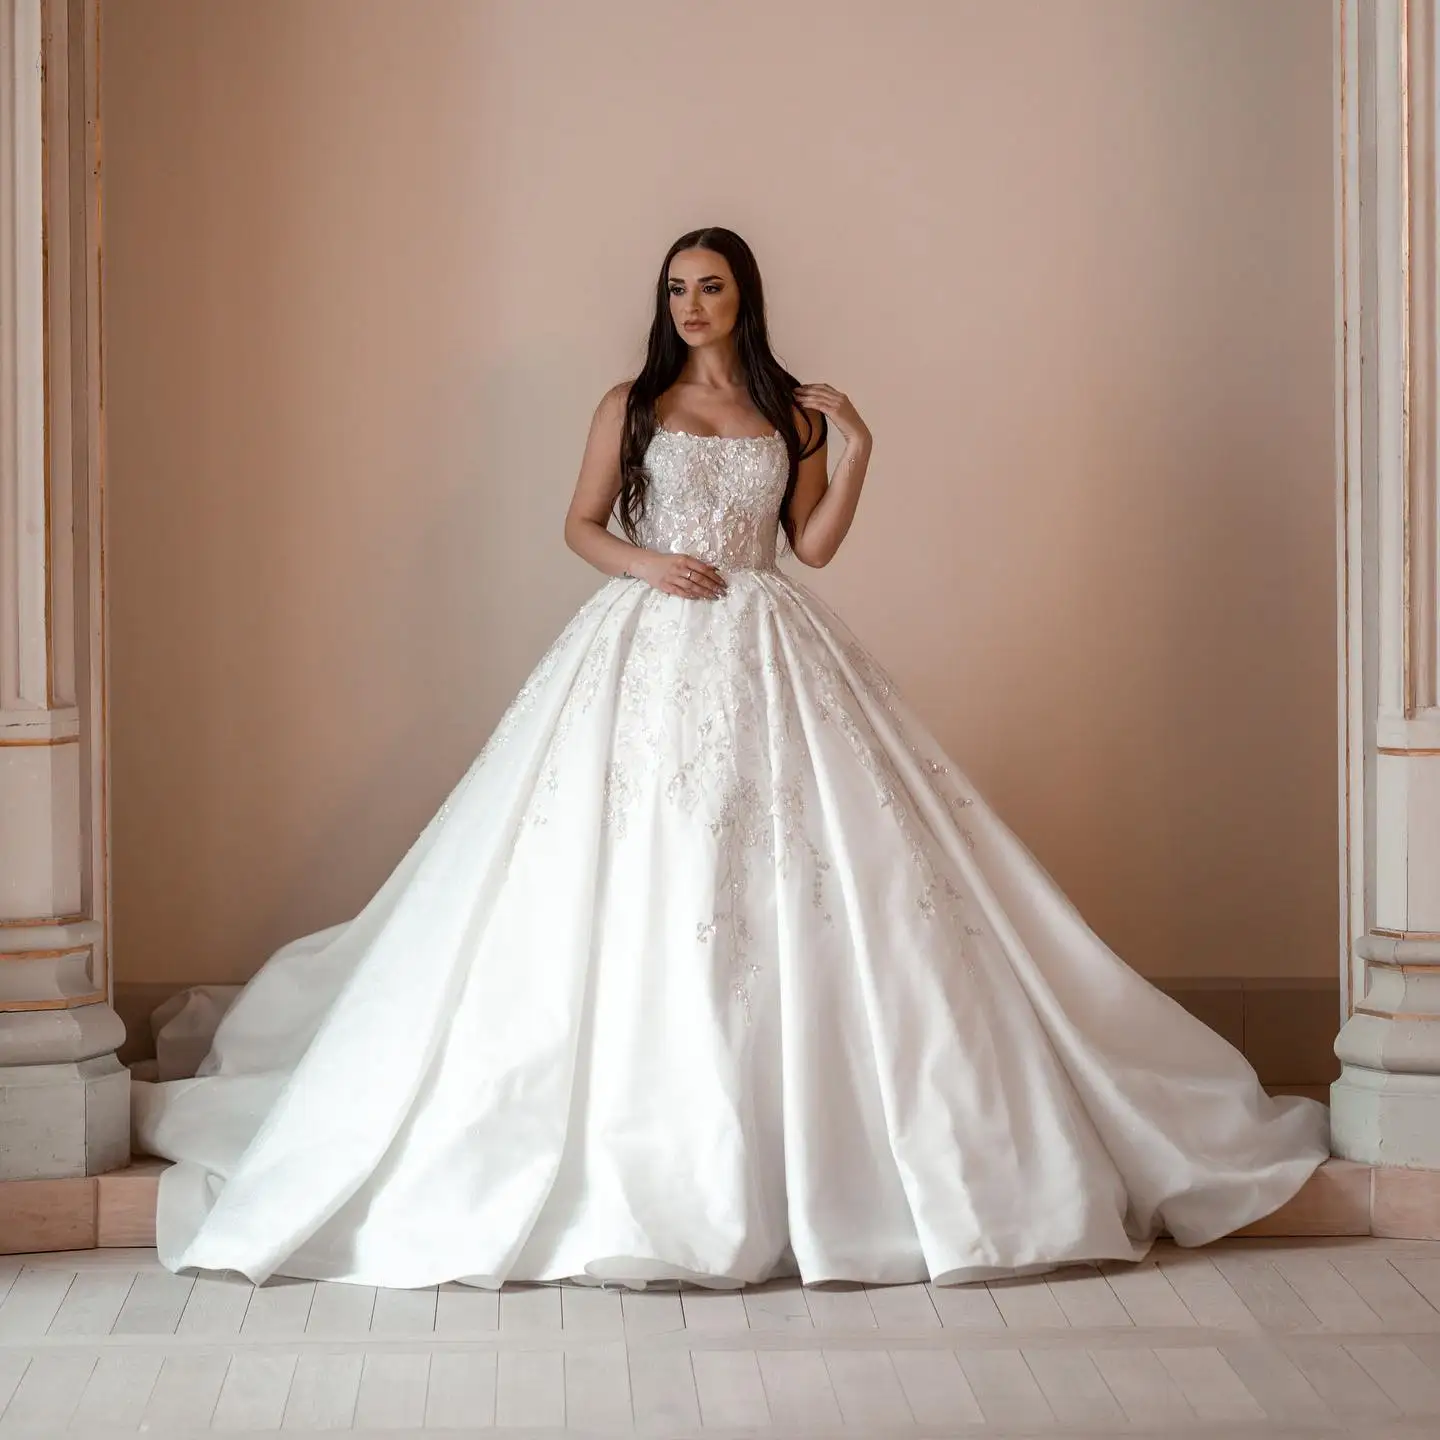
(713, 966)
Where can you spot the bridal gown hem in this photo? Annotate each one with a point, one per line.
(712, 967)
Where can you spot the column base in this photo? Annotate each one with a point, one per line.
(66, 1119)
(1382, 1117)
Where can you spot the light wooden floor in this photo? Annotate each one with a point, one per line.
(1247, 1338)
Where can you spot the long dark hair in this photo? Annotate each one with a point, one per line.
(771, 385)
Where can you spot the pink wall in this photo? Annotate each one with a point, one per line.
(370, 265)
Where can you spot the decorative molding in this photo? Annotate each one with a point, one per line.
(1420, 731)
(1352, 774)
(24, 561)
(1421, 219)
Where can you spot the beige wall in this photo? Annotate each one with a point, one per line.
(371, 264)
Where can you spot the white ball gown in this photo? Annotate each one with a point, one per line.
(712, 967)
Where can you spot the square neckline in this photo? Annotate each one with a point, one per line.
(661, 427)
(692, 435)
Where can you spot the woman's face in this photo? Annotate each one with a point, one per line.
(704, 298)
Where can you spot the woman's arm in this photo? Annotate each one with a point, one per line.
(823, 508)
(587, 521)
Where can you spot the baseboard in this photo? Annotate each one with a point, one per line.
(117, 1211)
(1285, 1028)
(84, 1212)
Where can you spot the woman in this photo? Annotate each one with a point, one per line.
(713, 966)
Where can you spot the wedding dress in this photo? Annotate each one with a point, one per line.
(712, 967)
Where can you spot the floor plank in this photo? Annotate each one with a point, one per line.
(779, 1305)
(1147, 1294)
(651, 1312)
(466, 1310)
(393, 1389)
(663, 1393)
(867, 1388)
(966, 1307)
(597, 1388)
(155, 1303)
(254, 1392)
(13, 1365)
(1144, 1387)
(341, 1312)
(1004, 1387)
(1213, 1390)
(1264, 1291)
(461, 1391)
(837, 1307)
(323, 1391)
(279, 1309)
(1074, 1388)
(404, 1312)
(1205, 1292)
(1028, 1304)
(1086, 1299)
(530, 1388)
(714, 1310)
(185, 1393)
(1401, 1374)
(798, 1389)
(1326, 1293)
(902, 1307)
(729, 1388)
(47, 1396)
(92, 1304)
(216, 1306)
(1387, 1292)
(589, 1310)
(1339, 1380)
(33, 1301)
(1278, 1386)
(118, 1390)
(529, 1308)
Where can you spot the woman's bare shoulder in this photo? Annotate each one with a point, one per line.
(610, 412)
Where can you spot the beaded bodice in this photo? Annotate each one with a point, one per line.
(716, 497)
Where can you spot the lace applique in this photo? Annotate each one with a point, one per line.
(705, 710)
(697, 682)
(891, 788)
(716, 497)
(582, 695)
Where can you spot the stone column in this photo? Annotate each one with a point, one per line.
(64, 1098)
(1385, 1107)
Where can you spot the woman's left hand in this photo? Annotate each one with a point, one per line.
(837, 407)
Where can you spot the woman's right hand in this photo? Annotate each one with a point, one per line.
(681, 575)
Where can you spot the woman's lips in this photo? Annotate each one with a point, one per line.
(696, 324)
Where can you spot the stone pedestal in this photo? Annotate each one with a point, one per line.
(1385, 1108)
(64, 1098)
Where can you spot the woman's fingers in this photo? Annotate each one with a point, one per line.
(704, 576)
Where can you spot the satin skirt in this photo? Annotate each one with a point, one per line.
(712, 967)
